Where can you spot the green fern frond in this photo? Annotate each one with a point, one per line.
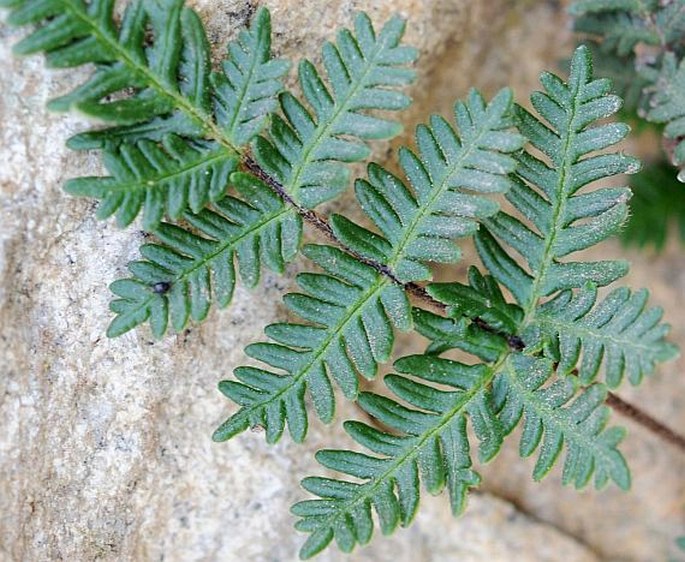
(482, 298)
(619, 332)
(621, 25)
(421, 227)
(178, 134)
(161, 179)
(552, 421)
(667, 104)
(245, 93)
(271, 230)
(457, 332)
(307, 149)
(563, 221)
(428, 443)
(625, 23)
(426, 440)
(528, 351)
(244, 96)
(168, 80)
(191, 270)
(649, 36)
(351, 311)
(163, 88)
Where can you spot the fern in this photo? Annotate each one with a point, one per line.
(169, 80)
(308, 163)
(552, 422)
(180, 135)
(182, 277)
(306, 151)
(181, 131)
(618, 333)
(161, 92)
(623, 28)
(534, 381)
(354, 306)
(668, 105)
(163, 179)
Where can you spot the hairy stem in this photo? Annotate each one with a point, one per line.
(645, 420)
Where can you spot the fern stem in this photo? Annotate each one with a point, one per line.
(642, 418)
(321, 224)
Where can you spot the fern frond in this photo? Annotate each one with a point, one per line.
(457, 332)
(481, 298)
(667, 105)
(351, 330)
(428, 442)
(351, 311)
(425, 435)
(245, 93)
(562, 221)
(552, 421)
(165, 178)
(421, 227)
(307, 149)
(169, 79)
(624, 24)
(183, 277)
(621, 25)
(162, 88)
(619, 332)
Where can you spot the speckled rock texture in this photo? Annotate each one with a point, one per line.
(105, 450)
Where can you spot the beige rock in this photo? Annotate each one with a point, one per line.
(105, 451)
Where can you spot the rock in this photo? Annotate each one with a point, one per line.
(105, 452)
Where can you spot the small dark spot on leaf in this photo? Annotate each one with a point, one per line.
(161, 287)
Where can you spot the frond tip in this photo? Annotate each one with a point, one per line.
(308, 148)
(619, 332)
(560, 220)
(552, 420)
(427, 442)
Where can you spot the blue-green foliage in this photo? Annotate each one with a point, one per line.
(624, 30)
(153, 83)
(179, 135)
(556, 220)
(619, 333)
(448, 177)
(667, 104)
(180, 278)
(162, 179)
(307, 147)
(351, 309)
(556, 416)
(526, 352)
(164, 89)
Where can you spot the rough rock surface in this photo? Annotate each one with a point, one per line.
(105, 451)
